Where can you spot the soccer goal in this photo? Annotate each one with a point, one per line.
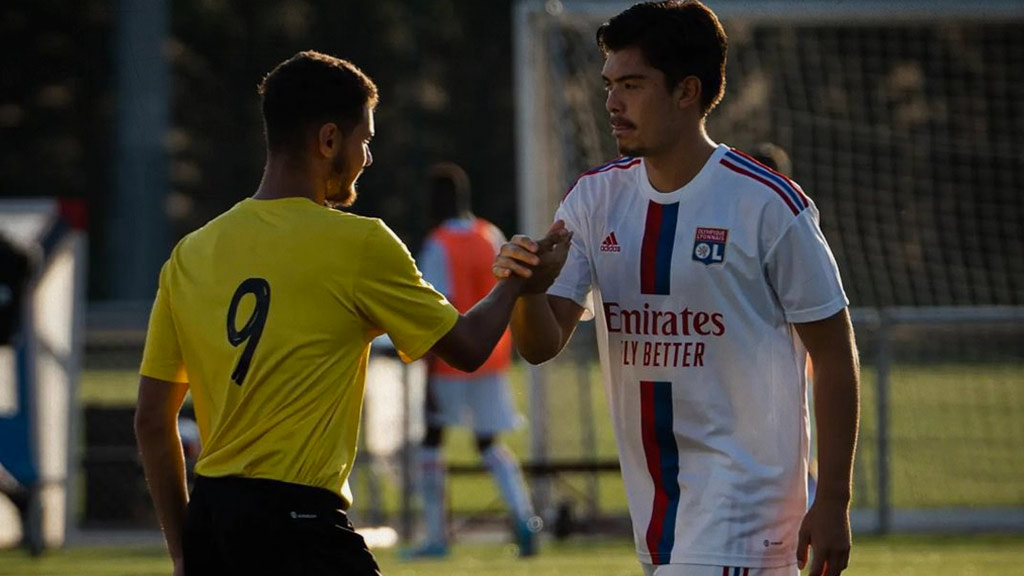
(903, 121)
(39, 366)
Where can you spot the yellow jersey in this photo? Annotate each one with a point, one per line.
(267, 312)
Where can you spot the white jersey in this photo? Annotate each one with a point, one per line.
(695, 292)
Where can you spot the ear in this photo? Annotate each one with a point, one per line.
(687, 92)
(329, 139)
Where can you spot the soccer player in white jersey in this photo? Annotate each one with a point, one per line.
(711, 282)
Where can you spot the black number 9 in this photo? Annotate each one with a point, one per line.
(253, 328)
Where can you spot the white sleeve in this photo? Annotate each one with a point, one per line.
(803, 273)
(575, 282)
(496, 236)
(433, 264)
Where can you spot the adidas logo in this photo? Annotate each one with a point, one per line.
(610, 244)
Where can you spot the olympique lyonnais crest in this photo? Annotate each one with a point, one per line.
(709, 245)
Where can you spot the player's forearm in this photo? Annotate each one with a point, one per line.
(164, 464)
(470, 342)
(535, 329)
(837, 413)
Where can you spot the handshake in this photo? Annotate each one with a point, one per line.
(534, 263)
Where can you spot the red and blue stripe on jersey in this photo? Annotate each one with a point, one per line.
(735, 571)
(784, 187)
(621, 163)
(656, 250)
(656, 397)
(662, 455)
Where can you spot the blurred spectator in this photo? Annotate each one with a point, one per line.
(457, 258)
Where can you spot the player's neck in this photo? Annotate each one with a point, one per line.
(285, 177)
(676, 166)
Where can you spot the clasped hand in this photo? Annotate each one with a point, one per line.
(536, 262)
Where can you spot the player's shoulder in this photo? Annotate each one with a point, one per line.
(600, 177)
(486, 228)
(375, 231)
(338, 227)
(490, 232)
(334, 216)
(462, 228)
(197, 238)
(296, 219)
(756, 181)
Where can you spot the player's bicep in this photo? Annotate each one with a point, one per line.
(567, 314)
(159, 402)
(830, 340)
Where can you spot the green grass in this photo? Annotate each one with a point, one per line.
(957, 434)
(957, 439)
(108, 387)
(893, 556)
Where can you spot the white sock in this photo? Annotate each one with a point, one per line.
(431, 484)
(509, 477)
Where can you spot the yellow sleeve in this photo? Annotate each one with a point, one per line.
(391, 293)
(161, 358)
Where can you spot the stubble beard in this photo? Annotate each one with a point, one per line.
(344, 198)
(635, 150)
(632, 151)
(346, 193)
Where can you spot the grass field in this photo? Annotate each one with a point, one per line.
(957, 437)
(892, 556)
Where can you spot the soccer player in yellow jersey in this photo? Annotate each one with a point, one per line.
(265, 315)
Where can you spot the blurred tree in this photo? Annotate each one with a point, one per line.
(443, 68)
(56, 103)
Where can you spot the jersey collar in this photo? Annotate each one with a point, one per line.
(700, 180)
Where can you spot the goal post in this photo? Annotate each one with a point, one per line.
(39, 373)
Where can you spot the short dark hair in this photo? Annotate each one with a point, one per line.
(312, 88)
(449, 192)
(680, 38)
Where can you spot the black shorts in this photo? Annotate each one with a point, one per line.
(253, 526)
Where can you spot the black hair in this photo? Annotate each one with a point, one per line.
(312, 88)
(679, 38)
(449, 192)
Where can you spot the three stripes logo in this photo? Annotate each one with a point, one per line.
(610, 244)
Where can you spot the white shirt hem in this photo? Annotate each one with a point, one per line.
(819, 313)
(707, 559)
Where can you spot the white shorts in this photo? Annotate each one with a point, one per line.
(483, 403)
(703, 570)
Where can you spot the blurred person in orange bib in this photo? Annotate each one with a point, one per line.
(456, 259)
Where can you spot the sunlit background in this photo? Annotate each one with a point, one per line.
(126, 124)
